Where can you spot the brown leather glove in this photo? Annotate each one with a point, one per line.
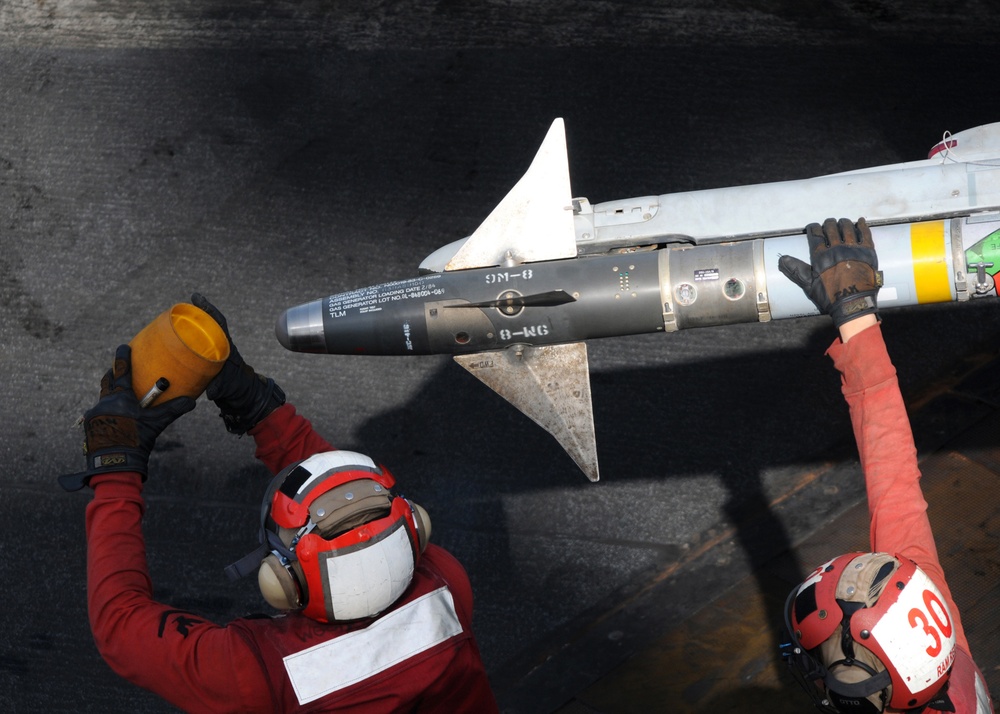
(120, 434)
(844, 278)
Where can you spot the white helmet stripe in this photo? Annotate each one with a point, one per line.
(323, 463)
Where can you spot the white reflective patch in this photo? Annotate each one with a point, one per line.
(917, 633)
(367, 581)
(390, 640)
(983, 705)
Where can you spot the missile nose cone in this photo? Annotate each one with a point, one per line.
(281, 330)
(300, 329)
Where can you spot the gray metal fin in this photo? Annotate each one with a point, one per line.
(550, 384)
(534, 221)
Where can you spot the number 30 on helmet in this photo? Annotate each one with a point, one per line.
(335, 542)
(868, 631)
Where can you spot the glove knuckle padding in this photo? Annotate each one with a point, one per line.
(842, 278)
(848, 269)
(119, 434)
(107, 431)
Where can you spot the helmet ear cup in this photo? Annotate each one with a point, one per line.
(278, 585)
(423, 521)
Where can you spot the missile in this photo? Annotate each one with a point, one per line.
(516, 301)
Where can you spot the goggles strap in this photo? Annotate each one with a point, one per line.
(248, 563)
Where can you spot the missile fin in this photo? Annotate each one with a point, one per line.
(534, 221)
(550, 384)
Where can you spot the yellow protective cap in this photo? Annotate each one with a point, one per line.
(183, 344)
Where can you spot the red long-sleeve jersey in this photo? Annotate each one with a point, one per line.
(899, 523)
(420, 655)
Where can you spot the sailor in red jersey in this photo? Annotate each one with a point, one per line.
(874, 632)
(376, 618)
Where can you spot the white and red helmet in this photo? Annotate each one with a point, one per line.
(870, 631)
(335, 542)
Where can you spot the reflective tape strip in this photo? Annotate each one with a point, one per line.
(930, 262)
(393, 638)
(983, 705)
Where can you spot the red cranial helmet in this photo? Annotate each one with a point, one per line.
(334, 540)
(869, 631)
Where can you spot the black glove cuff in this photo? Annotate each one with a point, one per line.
(272, 398)
(847, 309)
(107, 461)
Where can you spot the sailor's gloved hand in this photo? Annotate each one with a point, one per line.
(844, 278)
(119, 433)
(244, 397)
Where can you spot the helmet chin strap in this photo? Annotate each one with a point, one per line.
(877, 682)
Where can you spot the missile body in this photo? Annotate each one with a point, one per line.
(631, 292)
(516, 301)
(484, 309)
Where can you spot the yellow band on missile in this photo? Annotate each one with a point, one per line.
(930, 262)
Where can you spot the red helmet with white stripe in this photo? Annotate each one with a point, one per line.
(335, 542)
(870, 631)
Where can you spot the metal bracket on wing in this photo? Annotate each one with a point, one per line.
(551, 385)
(534, 221)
